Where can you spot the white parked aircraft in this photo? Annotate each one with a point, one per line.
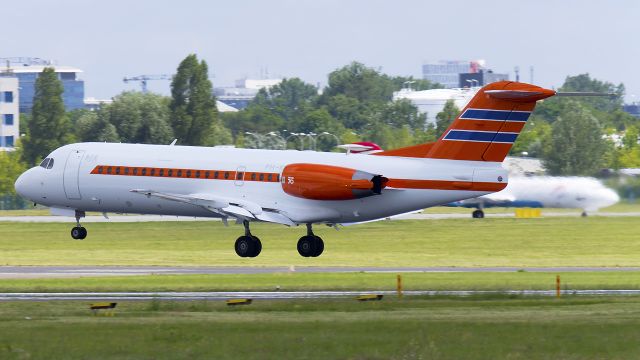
(288, 187)
(583, 193)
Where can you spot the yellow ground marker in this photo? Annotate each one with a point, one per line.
(233, 302)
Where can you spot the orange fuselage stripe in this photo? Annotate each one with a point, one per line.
(275, 177)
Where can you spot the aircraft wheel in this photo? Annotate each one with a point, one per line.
(478, 214)
(584, 214)
(245, 246)
(319, 244)
(257, 246)
(78, 233)
(307, 245)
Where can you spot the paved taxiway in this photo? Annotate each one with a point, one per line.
(32, 272)
(225, 295)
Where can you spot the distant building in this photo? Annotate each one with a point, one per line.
(245, 90)
(480, 78)
(447, 72)
(633, 109)
(94, 104)
(9, 114)
(27, 71)
(431, 102)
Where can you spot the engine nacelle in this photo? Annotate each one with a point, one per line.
(326, 182)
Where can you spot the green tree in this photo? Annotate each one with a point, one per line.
(139, 118)
(360, 82)
(193, 106)
(577, 145)
(445, 118)
(95, 126)
(49, 127)
(11, 166)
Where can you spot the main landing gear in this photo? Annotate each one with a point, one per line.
(310, 245)
(248, 245)
(477, 214)
(79, 232)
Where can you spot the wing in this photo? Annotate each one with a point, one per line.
(223, 206)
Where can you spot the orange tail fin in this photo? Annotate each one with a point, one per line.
(486, 128)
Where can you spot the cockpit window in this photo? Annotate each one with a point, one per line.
(47, 163)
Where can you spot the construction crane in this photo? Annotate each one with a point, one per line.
(144, 78)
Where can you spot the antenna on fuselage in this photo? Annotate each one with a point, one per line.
(173, 142)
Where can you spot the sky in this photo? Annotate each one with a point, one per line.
(112, 39)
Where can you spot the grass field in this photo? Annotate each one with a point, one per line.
(330, 281)
(434, 328)
(569, 241)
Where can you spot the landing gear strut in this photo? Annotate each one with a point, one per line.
(310, 245)
(248, 245)
(79, 232)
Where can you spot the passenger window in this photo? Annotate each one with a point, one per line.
(188, 173)
(270, 177)
(239, 175)
(215, 175)
(261, 177)
(144, 171)
(99, 169)
(253, 176)
(161, 172)
(126, 171)
(50, 164)
(135, 171)
(109, 170)
(117, 170)
(179, 173)
(226, 174)
(198, 174)
(206, 174)
(170, 172)
(152, 172)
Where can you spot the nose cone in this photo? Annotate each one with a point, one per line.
(25, 185)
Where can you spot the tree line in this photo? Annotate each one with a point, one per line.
(356, 104)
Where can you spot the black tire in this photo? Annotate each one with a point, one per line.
(307, 246)
(477, 214)
(244, 246)
(83, 233)
(76, 233)
(257, 246)
(319, 245)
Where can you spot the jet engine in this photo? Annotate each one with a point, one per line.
(326, 182)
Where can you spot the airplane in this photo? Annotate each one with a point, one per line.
(584, 193)
(288, 187)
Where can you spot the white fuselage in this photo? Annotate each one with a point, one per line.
(584, 193)
(70, 183)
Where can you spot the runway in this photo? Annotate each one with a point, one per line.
(33, 272)
(155, 218)
(275, 295)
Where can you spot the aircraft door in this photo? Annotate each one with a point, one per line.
(70, 178)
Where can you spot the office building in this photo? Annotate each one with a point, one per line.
(480, 78)
(9, 114)
(240, 96)
(431, 102)
(447, 72)
(27, 71)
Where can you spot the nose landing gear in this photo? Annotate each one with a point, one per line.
(310, 245)
(79, 232)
